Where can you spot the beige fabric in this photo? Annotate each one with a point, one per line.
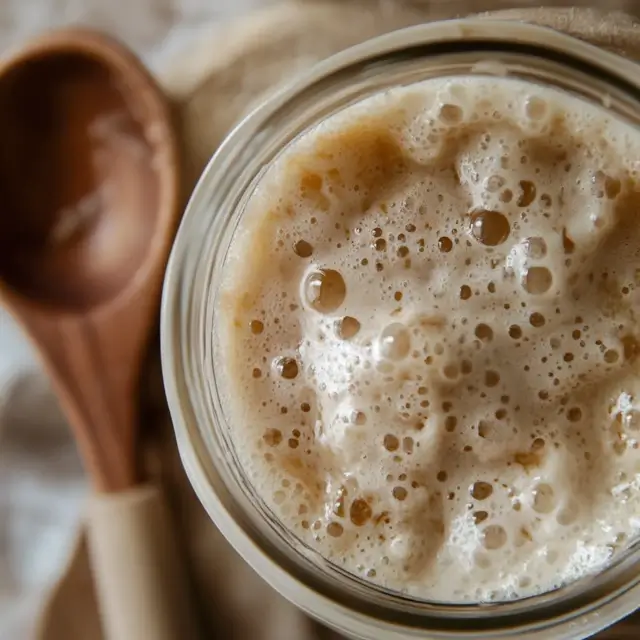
(213, 85)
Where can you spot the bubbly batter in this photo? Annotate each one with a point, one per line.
(427, 338)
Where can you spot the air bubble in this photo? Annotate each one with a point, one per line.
(574, 414)
(535, 108)
(256, 327)
(407, 444)
(335, 529)
(537, 280)
(494, 537)
(484, 332)
(484, 429)
(391, 442)
(491, 378)
(543, 498)
(527, 193)
(490, 228)
(347, 328)
(465, 292)
(506, 196)
(537, 320)
(325, 290)
(494, 183)
(481, 490)
(611, 356)
(399, 493)
(303, 249)
(515, 332)
(450, 423)
(360, 512)
(286, 368)
(445, 244)
(395, 342)
(605, 185)
(450, 113)
(451, 371)
(535, 248)
(479, 517)
(338, 506)
(358, 417)
(538, 444)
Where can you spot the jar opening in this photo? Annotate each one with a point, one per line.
(472, 47)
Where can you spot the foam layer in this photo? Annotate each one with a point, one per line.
(427, 339)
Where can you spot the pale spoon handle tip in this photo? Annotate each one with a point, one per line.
(140, 579)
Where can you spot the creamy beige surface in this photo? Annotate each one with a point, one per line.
(428, 338)
(222, 74)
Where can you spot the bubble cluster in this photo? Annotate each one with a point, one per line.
(428, 339)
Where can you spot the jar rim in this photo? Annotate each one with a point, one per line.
(182, 318)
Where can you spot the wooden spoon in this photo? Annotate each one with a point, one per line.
(89, 197)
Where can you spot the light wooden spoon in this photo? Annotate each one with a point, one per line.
(89, 197)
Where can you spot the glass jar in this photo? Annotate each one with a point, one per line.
(343, 601)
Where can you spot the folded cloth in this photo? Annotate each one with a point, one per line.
(226, 72)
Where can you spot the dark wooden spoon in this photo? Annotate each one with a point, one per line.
(89, 196)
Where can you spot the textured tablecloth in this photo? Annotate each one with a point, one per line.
(212, 73)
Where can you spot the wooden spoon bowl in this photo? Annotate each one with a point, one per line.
(89, 187)
(57, 243)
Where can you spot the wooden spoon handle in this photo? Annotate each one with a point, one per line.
(140, 578)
